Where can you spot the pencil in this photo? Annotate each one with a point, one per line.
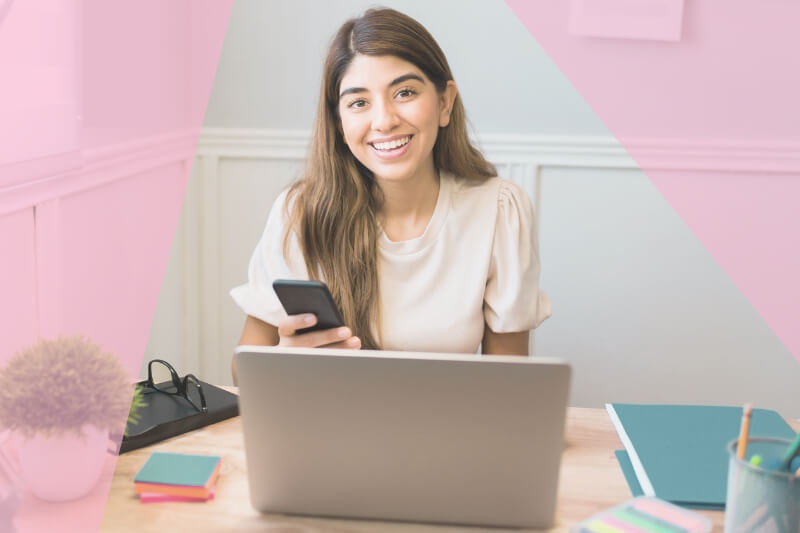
(747, 411)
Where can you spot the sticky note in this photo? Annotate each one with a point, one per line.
(156, 497)
(178, 469)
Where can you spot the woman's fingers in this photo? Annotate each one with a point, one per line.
(289, 325)
(324, 337)
(340, 337)
(353, 343)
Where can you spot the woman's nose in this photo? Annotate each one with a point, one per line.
(384, 117)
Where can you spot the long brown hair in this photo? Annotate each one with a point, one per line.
(335, 204)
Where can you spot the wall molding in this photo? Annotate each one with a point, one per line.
(102, 165)
(705, 155)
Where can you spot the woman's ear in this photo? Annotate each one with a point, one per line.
(446, 101)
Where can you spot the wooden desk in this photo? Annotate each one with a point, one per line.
(590, 481)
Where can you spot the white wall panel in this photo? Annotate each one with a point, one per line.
(249, 188)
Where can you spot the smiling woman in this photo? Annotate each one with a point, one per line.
(422, 246)
(382, 114)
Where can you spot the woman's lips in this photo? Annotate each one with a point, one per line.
(392, 153)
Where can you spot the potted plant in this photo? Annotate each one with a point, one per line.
(62, 399)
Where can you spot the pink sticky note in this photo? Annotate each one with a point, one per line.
(627, 19)
(155, 497)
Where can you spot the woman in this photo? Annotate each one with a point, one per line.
(421, 245)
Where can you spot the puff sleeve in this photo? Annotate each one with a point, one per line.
(513, 301)
(268, 263)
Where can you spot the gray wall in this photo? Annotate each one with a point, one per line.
(640, 308)
(269, 73)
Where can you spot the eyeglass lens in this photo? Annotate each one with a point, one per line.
(163, 378)
(193, 392)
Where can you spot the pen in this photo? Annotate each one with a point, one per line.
(791, 452)
(747, 411)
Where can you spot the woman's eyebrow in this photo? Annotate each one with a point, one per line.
(400, 79)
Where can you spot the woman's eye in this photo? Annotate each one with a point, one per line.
(357, 104)
(405, 93)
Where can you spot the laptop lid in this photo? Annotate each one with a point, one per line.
(422, 437)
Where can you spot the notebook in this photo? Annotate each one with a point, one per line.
(679, 452)
(636, 489)
(169, 415)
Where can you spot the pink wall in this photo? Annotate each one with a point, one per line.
(92, 176)
(727, 88)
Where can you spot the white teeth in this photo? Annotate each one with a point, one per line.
(391, 145)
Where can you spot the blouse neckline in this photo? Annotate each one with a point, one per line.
(433, 228)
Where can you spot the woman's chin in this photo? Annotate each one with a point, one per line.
(399, 173)
(392, 177)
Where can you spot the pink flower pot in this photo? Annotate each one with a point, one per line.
(63, 466)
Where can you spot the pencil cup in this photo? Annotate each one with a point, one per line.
(760, 499)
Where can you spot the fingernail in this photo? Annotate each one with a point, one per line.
(344, 333)
(308, 319)
(353, 342)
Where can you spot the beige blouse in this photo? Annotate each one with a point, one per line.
(476, 262)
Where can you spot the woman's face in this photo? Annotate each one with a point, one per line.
(391, 114)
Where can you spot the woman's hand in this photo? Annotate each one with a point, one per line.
(259, 333)
(329, 338)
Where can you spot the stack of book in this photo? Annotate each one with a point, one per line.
(171, 477)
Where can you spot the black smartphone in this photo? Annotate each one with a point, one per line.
(300, 296)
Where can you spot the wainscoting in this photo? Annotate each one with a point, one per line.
(82, 244)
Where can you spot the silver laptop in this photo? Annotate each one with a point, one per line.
(422, 437)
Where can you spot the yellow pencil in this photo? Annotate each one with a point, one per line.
(742, 446)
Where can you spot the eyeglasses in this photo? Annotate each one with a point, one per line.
(162, 377)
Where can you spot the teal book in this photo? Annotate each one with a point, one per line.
(636, 489)
(679, 452)
(178, 469)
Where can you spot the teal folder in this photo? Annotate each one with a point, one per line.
(636, 489)
(681, 450)
(627, 471)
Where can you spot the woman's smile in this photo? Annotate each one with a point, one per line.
(392, 147)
